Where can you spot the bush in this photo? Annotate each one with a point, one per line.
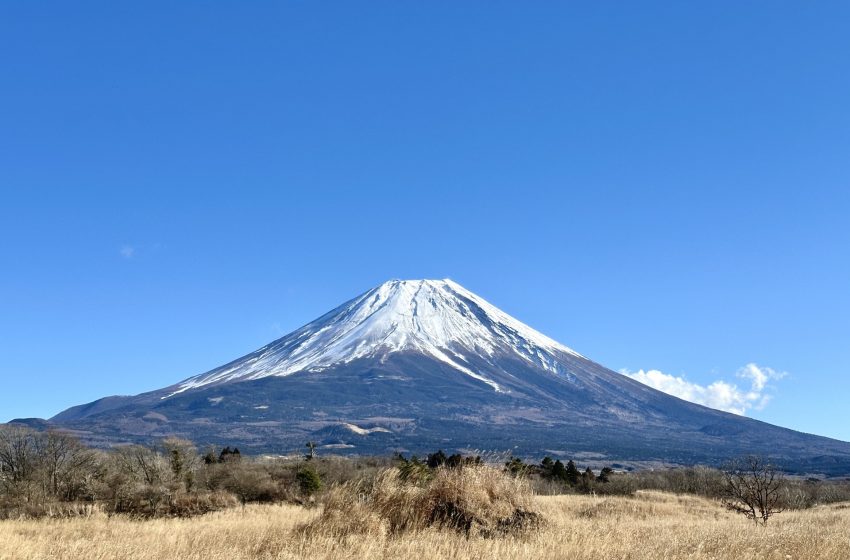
(475, 500)
(189, 505)
(308, 481)
(251, 483)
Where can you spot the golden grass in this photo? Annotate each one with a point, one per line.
(651, 525)
(475, 501)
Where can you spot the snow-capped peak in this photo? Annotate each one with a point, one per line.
(438, 318)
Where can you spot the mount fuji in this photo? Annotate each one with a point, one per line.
(418, 365)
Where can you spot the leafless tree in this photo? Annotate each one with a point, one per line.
(18, 463)
(142, 464)
(753, 488)
(65, 465)
(18, 456)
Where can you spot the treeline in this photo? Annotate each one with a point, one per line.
(795, 492)
(559, 476)
(555, 477)
(52, 474)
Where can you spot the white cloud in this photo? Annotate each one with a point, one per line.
(720, 394)
(127, 251)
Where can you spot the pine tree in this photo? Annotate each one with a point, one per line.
(228, 454)
(210, 457)
(454, 461)
(559, 472)
(572, 473)
(516, 467)
(546, 466)
(309, 481)
(437, 459)
(587, 480)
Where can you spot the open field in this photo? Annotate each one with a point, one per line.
(650, 525)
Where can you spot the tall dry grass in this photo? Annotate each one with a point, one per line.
(475, 501)
(651, 525)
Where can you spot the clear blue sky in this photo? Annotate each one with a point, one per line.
(657, 185)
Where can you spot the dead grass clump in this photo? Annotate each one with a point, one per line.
(189, 505)
(347, 512)
(56, 510)
(646, 505)
(475, 500)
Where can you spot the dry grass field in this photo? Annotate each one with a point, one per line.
(650, 525)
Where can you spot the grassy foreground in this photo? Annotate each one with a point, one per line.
(650, 525)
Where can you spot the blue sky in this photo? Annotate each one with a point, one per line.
(661, 186)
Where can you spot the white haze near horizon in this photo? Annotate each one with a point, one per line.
(720, 395)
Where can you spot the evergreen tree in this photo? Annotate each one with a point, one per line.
(572, 473)
(559, 472)
(227, 454)
(546, 466)
(516, 467)
(472, 461)
(454, 461)
(437, 459)
(414, 470)
(587, 480)
(210, 457)
(176, 462)
(309, 481)
(605, 474)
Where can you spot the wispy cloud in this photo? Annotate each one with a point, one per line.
(127, 251)
(720, 394)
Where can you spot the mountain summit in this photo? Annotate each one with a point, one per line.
(436, 318)
(416, 365)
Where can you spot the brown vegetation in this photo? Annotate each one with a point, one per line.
(136, 502)
(649, 525)
(52, 474)
(146, 503)
(474, 501)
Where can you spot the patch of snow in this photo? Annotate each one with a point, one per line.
(365, 431)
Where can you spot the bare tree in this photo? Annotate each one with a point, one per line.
(65, 464)
(142, 464)
(18, 463)
(753, 488)
(18, 457)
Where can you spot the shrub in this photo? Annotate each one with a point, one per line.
(191, 504)
(308, 481)
(251, 483)
(476, 500)
(414, 471)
